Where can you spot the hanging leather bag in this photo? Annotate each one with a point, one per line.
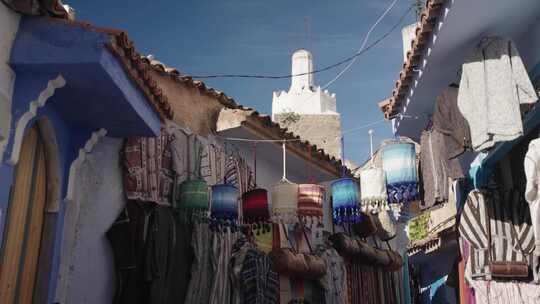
(386, 229)
(366, 227)
(290, 262)
(505, 269)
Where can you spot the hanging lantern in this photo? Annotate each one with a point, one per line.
(373, 197)
(345, 200)
(224, 202)
(310, 201)
(192, 195)
(285, 201)
(255, 206)
(399, 164)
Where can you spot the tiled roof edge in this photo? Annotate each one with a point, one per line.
(424, 33)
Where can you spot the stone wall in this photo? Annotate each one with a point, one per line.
(322, 130)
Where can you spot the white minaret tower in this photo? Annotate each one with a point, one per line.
(306, 109)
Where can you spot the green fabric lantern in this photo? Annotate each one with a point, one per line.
(192, 195)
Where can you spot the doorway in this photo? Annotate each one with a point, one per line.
(24, 222)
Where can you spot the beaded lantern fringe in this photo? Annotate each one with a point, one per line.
(346, 215)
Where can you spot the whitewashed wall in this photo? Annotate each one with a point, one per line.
(9, 23)
(87, 266)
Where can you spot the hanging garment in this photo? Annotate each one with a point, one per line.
(494, 83)
(183, 257)
(448, 120)
(532, 195)
(201, 270)
(180, 143)
(373, 196)
(148, 174)
(511, 233)
(259, 283)
(222, 247)
(436, 168)
(399, 165)
(236, 264)
(491, 292)
(143, 241)
(333, 282)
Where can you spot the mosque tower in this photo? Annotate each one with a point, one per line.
(306, 110)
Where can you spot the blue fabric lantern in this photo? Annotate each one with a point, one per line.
(399, 164)
(224, 202)
(345, 200)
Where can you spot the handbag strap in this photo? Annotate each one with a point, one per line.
(287, 236)
(306, 237)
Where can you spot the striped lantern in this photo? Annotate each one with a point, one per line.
(192, 195)
(285, 202)
(224, 202)
(255, 206)
(399, 164)
(310, 201)
(345, 200)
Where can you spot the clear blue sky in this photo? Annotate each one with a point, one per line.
(258, 37)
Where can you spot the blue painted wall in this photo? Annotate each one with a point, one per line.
(98, 94)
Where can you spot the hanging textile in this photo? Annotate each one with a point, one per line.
(436, 168)
(399, 165)
(491, 292)
(373, 194)
(509, 229)
(345, 198)
(448, 120)
(494, 83)
(143, 241)
(148, 174)
(532, 165)
(201, 270)
(224, 202)
(310, 203)
(223, 240)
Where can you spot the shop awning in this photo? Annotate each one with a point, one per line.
(102, 85)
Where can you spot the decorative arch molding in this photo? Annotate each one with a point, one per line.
(34, 105)
(76, 164)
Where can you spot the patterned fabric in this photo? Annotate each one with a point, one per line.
(373, 190)
(511, 232)
(259, 283)
(148, 174)
(236, 264)
(334, 281)
(494, 83)
(222, 247)
(399, 165)
(491, 292)
(310, 200)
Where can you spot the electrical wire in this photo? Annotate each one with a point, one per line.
(329, 67)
